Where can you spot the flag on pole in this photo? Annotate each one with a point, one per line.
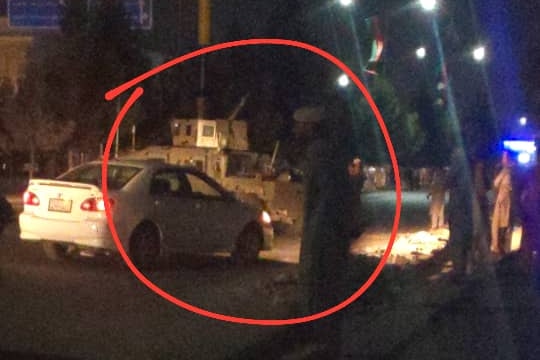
(377, 45)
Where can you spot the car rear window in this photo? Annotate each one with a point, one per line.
(117, 175)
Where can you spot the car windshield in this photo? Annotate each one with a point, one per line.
(117, 175)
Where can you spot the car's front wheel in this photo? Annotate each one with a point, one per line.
(248, 246)
(144, 246)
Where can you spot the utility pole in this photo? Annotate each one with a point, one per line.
(204, 29)
(117, 137)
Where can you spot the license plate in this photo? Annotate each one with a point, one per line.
(60, 205)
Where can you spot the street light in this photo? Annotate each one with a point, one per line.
(479, 53)
(523, 121)
(343, 80)
(345, 3)
(421, 52)
(428, 5)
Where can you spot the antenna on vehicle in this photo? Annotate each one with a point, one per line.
(238, 107)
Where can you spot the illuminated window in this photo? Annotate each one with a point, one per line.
(208, 131)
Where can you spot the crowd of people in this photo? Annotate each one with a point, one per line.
(480, 226)
(480, 205)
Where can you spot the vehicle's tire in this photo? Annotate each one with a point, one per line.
(144, 247)
(248, 246)
(55, 251)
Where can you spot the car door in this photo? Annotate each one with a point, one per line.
(221, 217)
(174, 209)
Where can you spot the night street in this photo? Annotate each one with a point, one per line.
(95, 308)
(248, 154)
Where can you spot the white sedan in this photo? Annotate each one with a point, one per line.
(156, 209)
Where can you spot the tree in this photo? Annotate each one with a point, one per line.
(32, 125)
(402, 123)
(61, 99)
(96, 51)
(437, 124)
(7, 91)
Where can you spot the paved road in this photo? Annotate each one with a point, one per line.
(96, 308)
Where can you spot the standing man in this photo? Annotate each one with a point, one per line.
(327, 208)
(437, 194)
(325, 242)
(357, 179)
(500, 220)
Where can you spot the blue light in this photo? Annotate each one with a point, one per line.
(527, 146)
(524, 158)
(522, 151)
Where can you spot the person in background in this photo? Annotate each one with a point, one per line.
(357, 179)
(437, 194)
(356, 173)
(500, 220)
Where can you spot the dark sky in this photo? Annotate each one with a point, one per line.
(510, 28)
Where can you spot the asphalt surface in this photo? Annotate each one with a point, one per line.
(417, 311)
(94, 308)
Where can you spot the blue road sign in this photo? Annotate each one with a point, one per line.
(140, 13)
(46, 13)
(34, 13)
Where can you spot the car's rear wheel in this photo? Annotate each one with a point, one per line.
(248, 246)
(55, 251)
(144, 246)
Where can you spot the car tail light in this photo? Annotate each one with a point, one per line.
(29, 198)
(265, 218)
(95, 204)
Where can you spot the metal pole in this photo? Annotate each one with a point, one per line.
(117, 138)
(116, 145)
(276, 148)
(133, 131)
